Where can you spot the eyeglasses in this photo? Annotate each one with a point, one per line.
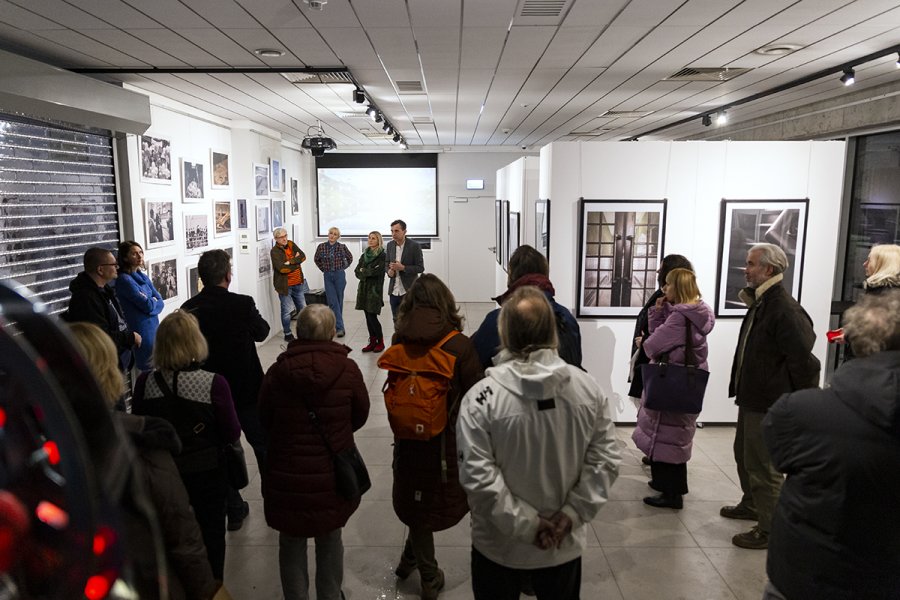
(116, 265)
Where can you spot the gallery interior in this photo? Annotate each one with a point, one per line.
(681, 126)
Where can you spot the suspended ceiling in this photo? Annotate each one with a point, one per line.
(497, 73)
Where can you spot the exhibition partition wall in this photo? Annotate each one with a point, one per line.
(646, 199)
(517, 186)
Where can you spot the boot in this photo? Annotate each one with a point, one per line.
(379, 345)
(665, 501)
(370, 346)
(431, 589)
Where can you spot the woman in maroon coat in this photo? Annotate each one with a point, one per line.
(427, 495)
(300, 498)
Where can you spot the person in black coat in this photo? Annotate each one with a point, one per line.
(232, 325)
(836, 529)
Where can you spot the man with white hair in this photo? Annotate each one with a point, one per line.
(287, 277)
(773, 357)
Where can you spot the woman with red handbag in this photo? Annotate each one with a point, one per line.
(679, 324)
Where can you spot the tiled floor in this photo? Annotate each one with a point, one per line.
(634, 552)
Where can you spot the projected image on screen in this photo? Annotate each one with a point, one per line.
(360, 200)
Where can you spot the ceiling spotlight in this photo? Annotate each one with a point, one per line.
(707, 120)
(268, 52)
(377, 118)
(371, 112)
(849, 76)
(721, 118)
(898, 60)
(396, 138)
(358, 96)
(387, 127)
(404, 145)
(316, 4)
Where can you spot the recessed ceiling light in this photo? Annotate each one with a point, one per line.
(777, 49)
(268, 52)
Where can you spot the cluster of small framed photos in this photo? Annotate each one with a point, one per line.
(507, 232)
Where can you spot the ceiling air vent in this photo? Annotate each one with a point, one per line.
(409, 87)
(301, 77)
(624, 114)
(706, 74)
(542, 8)
(422, 121)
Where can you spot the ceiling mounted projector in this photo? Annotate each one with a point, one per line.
(318, 143)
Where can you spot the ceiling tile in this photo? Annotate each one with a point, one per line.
(183, 48)
(612, 44)
(430, 13)
(383, 14)
(481, 47)
(225, 14)
(395, 47)
(59, 11)
(92, 47)
(171, 13)
(493, 14)
(336, 14)
(15, 15)
(129, 44)
(47, 50)
(567, 47)
(438, 47)
(309, 47)
(351, 46)
(525, 45)
(278, 13)
(221, 45)
(252, 39)
(596, 14)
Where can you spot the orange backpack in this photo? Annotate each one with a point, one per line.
(415, 392)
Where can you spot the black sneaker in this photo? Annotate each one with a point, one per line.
(340, 333)
(739, 511)
(235, 522)
(755, 539)
(289, 337)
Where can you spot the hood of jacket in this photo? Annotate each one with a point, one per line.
(313, 363)
(870, 386)
(700, 315)
(424, 325)
(83, 282)
(151, 433)
(536, 377)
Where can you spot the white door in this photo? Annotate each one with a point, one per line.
(470, 252)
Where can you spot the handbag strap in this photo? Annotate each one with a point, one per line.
(690, 359)
(314, 419)
(176, 409)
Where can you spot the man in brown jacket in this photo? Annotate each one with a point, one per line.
(287, 277)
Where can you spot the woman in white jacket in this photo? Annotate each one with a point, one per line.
(537, 458)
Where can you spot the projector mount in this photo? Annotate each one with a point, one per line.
(317, 143)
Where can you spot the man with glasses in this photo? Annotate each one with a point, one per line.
(287, 277)
(94, 301)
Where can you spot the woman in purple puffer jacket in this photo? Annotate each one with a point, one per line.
(667, 437)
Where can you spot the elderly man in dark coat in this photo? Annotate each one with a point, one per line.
(315, 375)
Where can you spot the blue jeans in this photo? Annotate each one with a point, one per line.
(335, 282)
(294, 299)
(295, 573)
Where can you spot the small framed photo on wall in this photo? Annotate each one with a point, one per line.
(261, 181)
(156, 159)
(159, 223)
(275, 168)
(542, 227)
(164, 275)
(222, 210)
(196, 233)
(498, 231)
(620, 246)
(242, 222)
(264, 261)
(277, 213)
(513, 235)
(191, 181)
(504, 235)
(263, 221)
(220, 175)
(194, 283)
(745, 223)
(295, 197)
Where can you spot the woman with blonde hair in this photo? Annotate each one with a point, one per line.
(666, 437)
(155, 441)
(882, 268)
(370, 293)
(198, 404)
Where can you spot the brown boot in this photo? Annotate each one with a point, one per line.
(379, 345)
(370, 346)
(431, 589)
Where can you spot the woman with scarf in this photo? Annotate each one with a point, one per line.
(370, 293)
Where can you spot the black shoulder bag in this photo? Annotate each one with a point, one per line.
(675, 388)
(202, 449)
(351, 478)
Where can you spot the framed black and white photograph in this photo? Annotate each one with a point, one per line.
(164, 275)
(263, 221)
(261, 181)
(284, 180)
(159, 223)
(220, 175)
(222, 210)
(514, 235)
(748, 222)
(620, 246)
(542, 227)
(194, 283)
(498, 231)
(196, 233)
(242, 222)
(504, 234)
(156, 159)
(277, 213)
(295, 197)
(275, 170)
(263, 261)
(191, 181)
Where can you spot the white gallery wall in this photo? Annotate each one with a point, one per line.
(694, 177)
(518, 182)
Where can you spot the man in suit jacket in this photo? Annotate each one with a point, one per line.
(232, 325)
(404, 259)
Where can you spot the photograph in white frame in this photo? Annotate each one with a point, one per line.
(155, 154)
(163, 273)
(222, 212)
(159, 223)
(263, 221)
(260, 181)
(295, 197)
(745, 223)
(514, 235)
(196, 232)
(192, 181)
(243, 220)
(220, 171)
(620, 245)
(275, 170)
(194, 283)
(264, 261)
(277, 213)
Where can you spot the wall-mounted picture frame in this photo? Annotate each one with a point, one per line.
(620, 246)
(263, 221)
(260, 181)
(155, 154)
(242, 221)
(192, 186)
(498, 231)
(163, 273)
(295, 197)
(504, 234)
(284, 180)
(542, 227)
(220, 174)
(514, 235)
(194, 283)
(747, 222)
(275, 170)
(196, 233)
(277, 213)
(159, 223)
(222, 212)
(264, 261)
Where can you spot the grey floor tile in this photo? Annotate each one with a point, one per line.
(711, 483)
(254, 532)
(597, 580)
(374, 524)
(666, 573)
(633, 523)
(710, 530)
(743, 570)
(252, 572)
(376, 450)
